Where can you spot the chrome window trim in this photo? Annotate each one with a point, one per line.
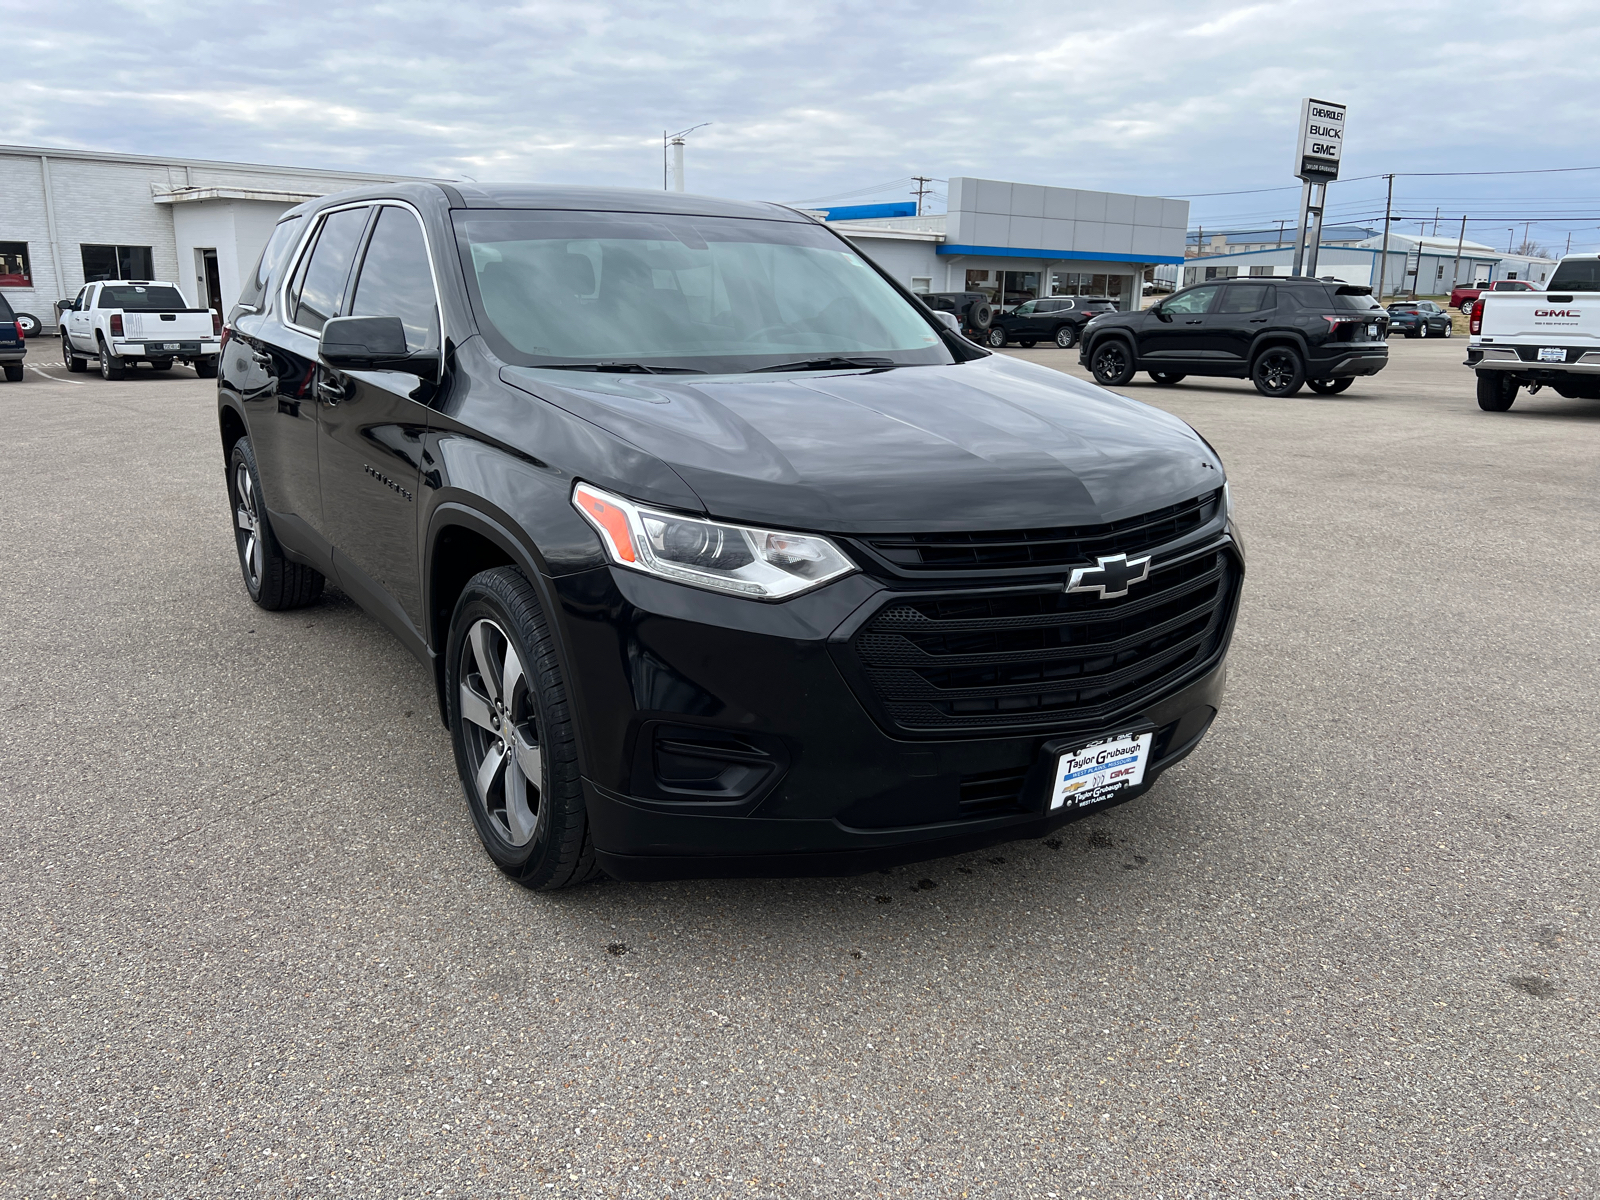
(305, 246)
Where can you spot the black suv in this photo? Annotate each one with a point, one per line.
(726, 555)
(13, 344)
(972, 309)
(1058, 319)
(1279, 333)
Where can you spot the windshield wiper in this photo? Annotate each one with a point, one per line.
(829, 364)
(623, 368)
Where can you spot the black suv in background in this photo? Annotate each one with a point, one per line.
(1281, 334)
(725, 555)
(972, 309)
(13, 345)
(1058, 319)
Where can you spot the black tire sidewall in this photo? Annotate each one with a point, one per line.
(1119, 378)
(1298, 378)
(244, 452)
(504, 596)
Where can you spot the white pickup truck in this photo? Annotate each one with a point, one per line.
(1533, 340)
(125, 321)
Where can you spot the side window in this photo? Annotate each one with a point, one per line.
(81, 300)
(1190, 303)
(272, 256)
(1248, 299)
(396, 280)
(319, 287)
(1025, 309)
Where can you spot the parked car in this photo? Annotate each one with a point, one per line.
(972, 309)
(1280, 335)
(725, 555)
(1059, 319)
(1420, 318)
(1551, 339)
(1462, 297)
(13, 346)
(127, 321)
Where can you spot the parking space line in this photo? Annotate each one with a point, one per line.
(43, 374)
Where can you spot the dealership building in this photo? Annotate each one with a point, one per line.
(1019, 241)
(68, 217)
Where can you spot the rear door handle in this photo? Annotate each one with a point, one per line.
(1194, 322)
(1258, 320)
(333, 393)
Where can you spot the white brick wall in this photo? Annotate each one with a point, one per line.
(106, 201)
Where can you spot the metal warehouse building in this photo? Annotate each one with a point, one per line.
(1019, 241)
(71, 216)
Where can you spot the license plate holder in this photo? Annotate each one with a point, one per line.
(1085, 774)
(1553, 354)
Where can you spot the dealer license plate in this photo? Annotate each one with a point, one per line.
(1372, 331)
(1552, 354)
(1096, 772)
(170, 345)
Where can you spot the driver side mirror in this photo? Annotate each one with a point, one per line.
(950, 322)
(374, 344)
(1160, 312)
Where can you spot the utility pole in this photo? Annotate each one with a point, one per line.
(1455, 271)
(1281, 224)
(1568, 250)
(1511, 240)
(1436, 220)
(923, 189)
(1383, 257)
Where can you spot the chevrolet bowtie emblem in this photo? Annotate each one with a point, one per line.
(1112, 578)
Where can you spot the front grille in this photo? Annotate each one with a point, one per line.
(1021, 548)
(1012, 659)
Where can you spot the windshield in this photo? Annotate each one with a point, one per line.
(1577, 275)
(680, 292)
(131, 297)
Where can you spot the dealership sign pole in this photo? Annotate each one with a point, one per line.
(1316, 165)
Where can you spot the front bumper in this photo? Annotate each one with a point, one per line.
(820, 785)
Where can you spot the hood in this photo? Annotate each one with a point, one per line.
(995, 443)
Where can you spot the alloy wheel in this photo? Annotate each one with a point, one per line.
(500, 731)
(247, 525)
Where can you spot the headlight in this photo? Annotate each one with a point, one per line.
(760, 564)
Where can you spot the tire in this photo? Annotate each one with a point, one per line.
(1449, 329)
(111, 367)
(1067, 337)
(1422, 329)
(1167, 377)
(206, 368)
(980, 315)
(538, 831)
(1330, 387)
(75, 363)
(1278, 372)
(13, 372)
(1496, 394)
(996, 337)
(273, 582)
(30, 324)
(1113, 363)
(1027, 345)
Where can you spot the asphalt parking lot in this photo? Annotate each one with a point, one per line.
(250, 945)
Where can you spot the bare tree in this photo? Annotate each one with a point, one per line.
(1531, 250)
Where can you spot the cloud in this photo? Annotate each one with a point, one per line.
(806, 100)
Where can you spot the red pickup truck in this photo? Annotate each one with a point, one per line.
(1462, 297)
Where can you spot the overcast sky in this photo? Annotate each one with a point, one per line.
(816, 99)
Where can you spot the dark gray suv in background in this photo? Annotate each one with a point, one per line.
(725, 554)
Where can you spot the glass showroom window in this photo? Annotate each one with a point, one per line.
(117, 262)
(14, 270)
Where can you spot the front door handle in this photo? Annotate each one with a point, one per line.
(332, 393)
(1194, 322)
(1258, 320)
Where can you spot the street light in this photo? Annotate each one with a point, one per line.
(675, 140)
